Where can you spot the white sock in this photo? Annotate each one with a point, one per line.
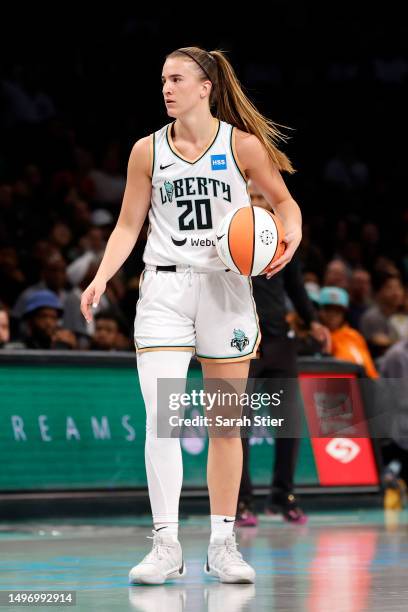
(170, 529)
(164, 464)
(221, 526)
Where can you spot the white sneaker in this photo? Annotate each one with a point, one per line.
(226, 563)
(165, 561)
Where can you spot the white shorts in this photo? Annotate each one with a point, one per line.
(211, 313)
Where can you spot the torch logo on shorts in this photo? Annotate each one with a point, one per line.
(239, 341)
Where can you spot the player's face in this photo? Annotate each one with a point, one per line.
(182, 87)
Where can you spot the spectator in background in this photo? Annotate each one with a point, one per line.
(107, 332)
(360, 296)
(337, 274)
(375, 323)
(347, 343)
(53, 277)
(4, 326)
(41, 314)
(92, 245)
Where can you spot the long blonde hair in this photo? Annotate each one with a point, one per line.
(230, 103)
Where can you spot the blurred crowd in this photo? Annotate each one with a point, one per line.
(63, 171)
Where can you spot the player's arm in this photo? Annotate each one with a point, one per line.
(135, 204)
(257, 165)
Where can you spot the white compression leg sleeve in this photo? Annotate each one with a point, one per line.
(164, 466)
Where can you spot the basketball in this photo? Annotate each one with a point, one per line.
(249, 239)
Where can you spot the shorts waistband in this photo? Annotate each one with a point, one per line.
(182, 268)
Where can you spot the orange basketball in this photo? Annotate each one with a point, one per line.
(249, 239)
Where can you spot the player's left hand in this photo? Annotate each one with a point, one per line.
(292, 240)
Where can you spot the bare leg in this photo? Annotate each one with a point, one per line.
(224, 464)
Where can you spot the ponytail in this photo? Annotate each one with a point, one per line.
(233, 106)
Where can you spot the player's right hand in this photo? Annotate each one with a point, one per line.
(91, 296)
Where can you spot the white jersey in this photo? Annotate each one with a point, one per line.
(189, 200)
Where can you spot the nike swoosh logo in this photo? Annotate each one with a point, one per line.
(168, 166)
(179, 242)
(165, 527)
(225, 521)
(219, 237)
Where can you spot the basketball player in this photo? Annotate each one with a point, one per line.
(187, 176)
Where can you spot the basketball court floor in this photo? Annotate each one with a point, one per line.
(341, 561)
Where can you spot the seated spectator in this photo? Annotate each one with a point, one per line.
(375, 323)
(53, 278)
(360, 296)
(108, 335)
(337, 274)
(41, 314)
(347, 343)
